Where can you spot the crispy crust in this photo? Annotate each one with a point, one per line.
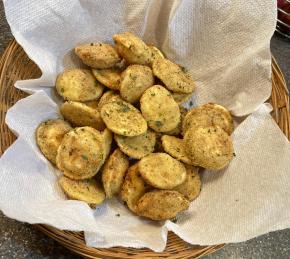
(80, 114)
(98, 55)
(176, 148)
(133, 187)
(139, 146)
(161, 205)
(81, 153)
(159, 109)
(162, 171)
(123, 118)
(192, 185)
(134, 81)
(78, 85)
(210, 114)
(209, 147)
(132, 49)
(49, 135)
(113, 172)
(88, 190)
(110, 77)
(172, 76)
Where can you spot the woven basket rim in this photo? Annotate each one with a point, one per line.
(15, 59)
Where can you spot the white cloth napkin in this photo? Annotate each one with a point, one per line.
(225, 46)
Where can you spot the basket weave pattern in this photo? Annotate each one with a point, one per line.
(15, 65)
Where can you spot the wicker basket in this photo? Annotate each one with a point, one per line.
(15, 65)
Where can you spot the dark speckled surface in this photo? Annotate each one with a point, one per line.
(19, 240)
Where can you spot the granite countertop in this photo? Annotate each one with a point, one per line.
(19, 240)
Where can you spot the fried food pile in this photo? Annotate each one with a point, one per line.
(124, 132)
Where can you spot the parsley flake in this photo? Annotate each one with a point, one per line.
(158, 124)
(84, 157)
(184, 69)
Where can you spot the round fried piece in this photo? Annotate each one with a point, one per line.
(78, 85)
(181, 98)
(109, 77)
(139, 146)
(133, 187)
(98, 55)
(209, 147)
(123, 118)
(159, 109)
(161, 205)
(107, 139)
(107, 97)
(162, 171)
(49, 135)
(81, 153)
(132, 49)
(176, 148)
(210, 114)
(156, 53)
(134, 81)
(113, 172)
(192, 185)
(178, 130)
(172, 76)
(88, 190)
(80, 114)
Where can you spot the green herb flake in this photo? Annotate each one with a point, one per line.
(234, 154)
(158, 124)
(84, 157)
(125, 108)
(184, 69)
(152, 94)
(133, 77)
(118, 215)
(190, 103)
